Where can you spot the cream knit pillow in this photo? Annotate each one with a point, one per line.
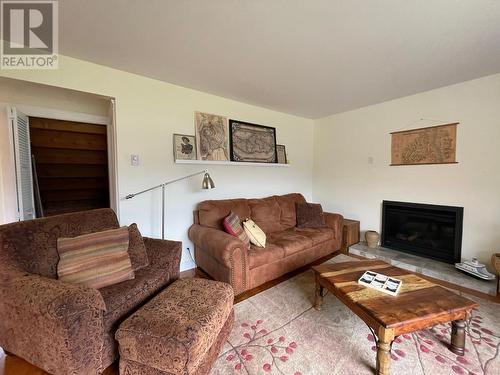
(256, 235)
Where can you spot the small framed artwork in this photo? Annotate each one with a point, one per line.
(251, 142)
(281, 154)
(184, 147)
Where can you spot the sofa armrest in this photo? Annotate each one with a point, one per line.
(222, 255)
(219, 244)
(335, 221)
(164, 254)
(55, 325)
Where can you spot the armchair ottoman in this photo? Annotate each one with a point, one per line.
(179, 332)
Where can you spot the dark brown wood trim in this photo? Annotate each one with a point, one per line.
(188, 273)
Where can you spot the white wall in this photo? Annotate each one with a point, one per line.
(17, 92)
(148, 112)
(345, 181)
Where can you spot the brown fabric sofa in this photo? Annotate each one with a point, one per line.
(226, 258)
(68, 328)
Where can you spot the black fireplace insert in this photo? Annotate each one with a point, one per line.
(430, 231)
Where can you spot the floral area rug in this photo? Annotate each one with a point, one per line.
(278, 332)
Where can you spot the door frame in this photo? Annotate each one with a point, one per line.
(108, 121)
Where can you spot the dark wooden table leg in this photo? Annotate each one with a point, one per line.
(318, 295)
(458, 337)
(385, 338)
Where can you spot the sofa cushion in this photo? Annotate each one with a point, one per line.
(173, 332)
(287, 203)
(211, 213)
(266, 213)
(290, 241)
(96, 259)
(317, 235)
(310, 215)
(136, 248)
(123, 298)
(259, 256)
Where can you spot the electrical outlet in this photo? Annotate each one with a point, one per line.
(134, 160)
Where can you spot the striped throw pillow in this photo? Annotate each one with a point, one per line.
(96, 260)
(232, 225)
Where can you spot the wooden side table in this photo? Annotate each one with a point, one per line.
(350, 234)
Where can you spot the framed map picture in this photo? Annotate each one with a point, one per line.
(211, 136)
(184, 147)
(281, 154)
(251, 142)
(430, 145)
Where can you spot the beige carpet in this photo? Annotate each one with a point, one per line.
(278, 332)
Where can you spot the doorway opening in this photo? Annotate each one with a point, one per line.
(57, 151)
(69, 166)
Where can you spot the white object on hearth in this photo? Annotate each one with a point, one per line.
(475, 268)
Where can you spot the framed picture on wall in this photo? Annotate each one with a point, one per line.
(211, 136)
(251, 142)
(281, 154)
(184, 147)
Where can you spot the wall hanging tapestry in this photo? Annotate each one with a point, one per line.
(430, 145)
(211, 136)
(251, 142)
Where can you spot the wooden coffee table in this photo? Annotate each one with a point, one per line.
(419, 304)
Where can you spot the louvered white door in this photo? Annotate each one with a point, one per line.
(22, 153)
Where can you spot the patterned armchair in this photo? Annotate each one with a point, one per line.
(67, 328)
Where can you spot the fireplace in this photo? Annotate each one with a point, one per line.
(421, 229)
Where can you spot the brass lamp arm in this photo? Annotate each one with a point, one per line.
(207, 184)
(130, 196)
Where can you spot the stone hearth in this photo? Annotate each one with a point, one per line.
(424, 266)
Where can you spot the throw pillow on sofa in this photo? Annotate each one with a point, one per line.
(96, 259)
(310, 215)
(137, 248)
(256, 235)
(232, 225)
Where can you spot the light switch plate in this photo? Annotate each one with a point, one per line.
(134, 160)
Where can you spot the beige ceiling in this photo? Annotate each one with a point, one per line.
(311, 58)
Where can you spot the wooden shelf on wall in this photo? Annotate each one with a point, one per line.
(233, 163)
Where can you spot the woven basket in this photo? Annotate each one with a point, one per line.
(495, 262)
